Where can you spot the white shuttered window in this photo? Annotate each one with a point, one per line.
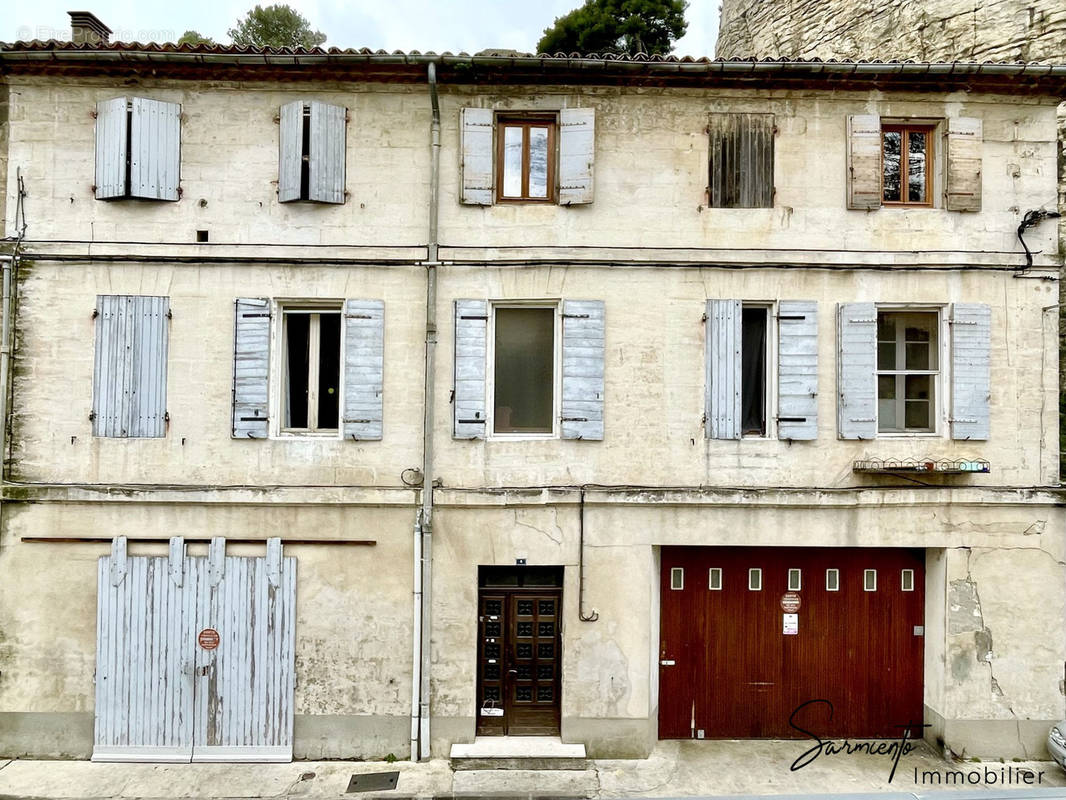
(138, 149)
(312, 152)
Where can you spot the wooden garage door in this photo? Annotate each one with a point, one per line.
(728, 669)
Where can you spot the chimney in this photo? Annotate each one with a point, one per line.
(85, 28)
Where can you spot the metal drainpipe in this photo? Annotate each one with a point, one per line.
(425, 580)
(5, 367)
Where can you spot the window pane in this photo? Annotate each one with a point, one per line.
(538, 162)
(916, 166)
(886, 355)
(753, 368)
(512, 161)
(329, 370)
(917, 387)
(524, 376)
(918, 356)
(892, 140)
(917, 414)
(296, 357)
(886, 403)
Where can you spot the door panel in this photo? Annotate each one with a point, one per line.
(737, 675)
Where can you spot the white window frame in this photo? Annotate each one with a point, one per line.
(942, 381)
(711, 573)
(865, 574)
(836, 575)
(279, 308)
(755, 572)
(798, 587)
(770, 400)
(903, 580)
(678, 585)
(557, 370)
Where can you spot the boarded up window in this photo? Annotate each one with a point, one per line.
(741, 160)
(130, 375)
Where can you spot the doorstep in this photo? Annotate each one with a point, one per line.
(518, 752)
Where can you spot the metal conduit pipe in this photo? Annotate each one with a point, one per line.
(5, 366)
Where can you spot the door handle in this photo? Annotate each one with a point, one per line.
(203, 670)
(512, 672)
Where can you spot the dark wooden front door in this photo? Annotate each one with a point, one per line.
(728, 669)
(518, 660)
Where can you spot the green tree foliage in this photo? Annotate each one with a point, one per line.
(275, 26)
(195, 37)
(617, 26)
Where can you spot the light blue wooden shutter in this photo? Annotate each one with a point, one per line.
(476, 168)
(290, 151)
(155, 149)
(722, 397)
(797, 369)
(364, 359)
(130, 375)
(251, 368)
(471, 354)
(326, 171)
(577, 155)
(864, 161)
(583, 356)
(112, 124)
(971, 341)
(856, 370)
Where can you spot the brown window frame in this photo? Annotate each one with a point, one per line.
(905, 129)
(525, 122)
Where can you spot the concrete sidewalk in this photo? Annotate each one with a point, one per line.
(675, 769)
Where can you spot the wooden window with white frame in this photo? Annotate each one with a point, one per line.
(908, 370)
(907, 164)
(524, 370)
(525, 157)
(755, 373)
(310, 369)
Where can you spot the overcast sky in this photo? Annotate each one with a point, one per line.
(455, 25)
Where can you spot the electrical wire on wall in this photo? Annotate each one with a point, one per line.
(593, 615)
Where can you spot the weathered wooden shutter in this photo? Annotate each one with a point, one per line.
(797, 369)
(741, 160)
(155, 149)
(364, 360)
(963, 184)
(327, 152)
(112, 126)
(130, 376)
(577, 155)
(471, 354)
(856, 370)
(864, 161)
(251, 368)
(476, 168)
(722, 398)
(971, 343)
(583, 357)
(290, 151)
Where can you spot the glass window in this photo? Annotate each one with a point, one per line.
(755, 579)
(905, 151)
(753, 371)
(907, 580)
(714, 579)
(312, 349)
(524, 376)
(869, 580)
(526, 158)
(677, 578)
(832, 580)
(794, 580)
(907, 371)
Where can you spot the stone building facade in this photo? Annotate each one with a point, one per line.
(704, 426)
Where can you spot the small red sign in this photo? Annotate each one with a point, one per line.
(208, 639)
(790, 602)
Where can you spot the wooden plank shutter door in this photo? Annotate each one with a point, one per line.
(471, 356)
(155, 149)
(856, 370)
(290, 151)
(476, 168)
(251, 368)
(722, 397)
(327, 152)
(577, 155)
(112, 121)
(130, 372)
(971, 342)
(797, 369)
(964, 143)
(583, 368)
(864, 162)
(364, 361)
(741, 160)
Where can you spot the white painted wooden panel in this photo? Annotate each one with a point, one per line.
(577, 155)
(856, 370)
(724, 361)
(864, 161)
(290, 151)
(582, 369)
(364, 364)
(971, 344)
(964, 146)
(797, 369)
(471, 354)
(155, 149)
(476, 166)
(327, 152)
(251, 368)
(112, 124)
